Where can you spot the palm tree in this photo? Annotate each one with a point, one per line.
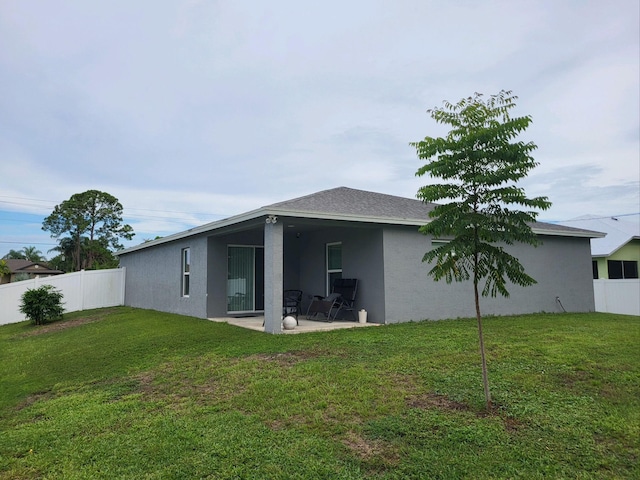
(14, 255)
(33, 254)
(66, 258)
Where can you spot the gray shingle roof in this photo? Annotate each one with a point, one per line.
(27, 266)
(357, 203)
(349, 204)
(620, 230)
(362, 204)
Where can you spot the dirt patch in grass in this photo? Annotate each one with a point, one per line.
(379, 456)
(284, 423)
(175, 388)
(511, 425)
(432, 400)
(574, 379)
(64, 324)
(364, 448)
(290, 358)
(33, 398)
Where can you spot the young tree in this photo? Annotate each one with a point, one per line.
(480, 161)
(93, 220)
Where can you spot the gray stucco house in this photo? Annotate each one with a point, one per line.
(241, 265)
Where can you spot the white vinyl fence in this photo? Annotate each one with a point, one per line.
(617, 296)
(81, 291)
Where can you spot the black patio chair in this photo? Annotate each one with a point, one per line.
(342, 298)
(291, 303)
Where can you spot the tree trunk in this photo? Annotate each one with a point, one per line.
(485, 376)
(78, 259)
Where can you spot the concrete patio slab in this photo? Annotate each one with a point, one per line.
(304, 325)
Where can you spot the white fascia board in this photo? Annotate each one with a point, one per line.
(261, 212)
(413, 222)
(207, 227)
(344, 217)
(568, 233)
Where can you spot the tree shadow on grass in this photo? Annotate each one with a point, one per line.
(63, 324)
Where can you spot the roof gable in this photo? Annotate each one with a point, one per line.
(27, 266)
(620, 230)
(357, 203)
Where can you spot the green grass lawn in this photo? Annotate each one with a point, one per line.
(126, 393)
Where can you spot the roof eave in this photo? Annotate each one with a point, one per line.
(207, 227)
(344, 217)
(265, 211)
(568, 233)
(608, 254)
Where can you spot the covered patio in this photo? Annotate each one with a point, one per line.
(304, 325)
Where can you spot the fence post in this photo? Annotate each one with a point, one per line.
(82, 289)
(123, 278)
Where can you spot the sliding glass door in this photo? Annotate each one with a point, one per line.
(245, 279)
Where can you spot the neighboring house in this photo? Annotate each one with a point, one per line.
(26, 269)
(241, 265)
(615, 261)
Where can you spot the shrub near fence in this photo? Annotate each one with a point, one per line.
(82, 290)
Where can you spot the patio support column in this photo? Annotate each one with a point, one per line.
(273, 268)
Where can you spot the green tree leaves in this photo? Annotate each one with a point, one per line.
(42, 304)
(26, 253)
(93, 221)
(482, 159)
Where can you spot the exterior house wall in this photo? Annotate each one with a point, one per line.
(561, 267)
(394, 285)
(291, 262)
(154, 278)
(361, 259)
(217, 267)
(410, 293)
(630, 251)
(216, 277)
(312, 262)
(363, 256)
(620, 296)
(602, 267)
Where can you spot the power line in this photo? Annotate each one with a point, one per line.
(53, 203)
(130, 216)
(30, 243)
(600, 218)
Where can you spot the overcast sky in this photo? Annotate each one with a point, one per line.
(190, 111)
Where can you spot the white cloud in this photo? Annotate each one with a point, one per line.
(216, 108)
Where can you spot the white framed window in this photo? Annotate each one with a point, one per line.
(334, 263)
(186, 271)
(438, 242)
